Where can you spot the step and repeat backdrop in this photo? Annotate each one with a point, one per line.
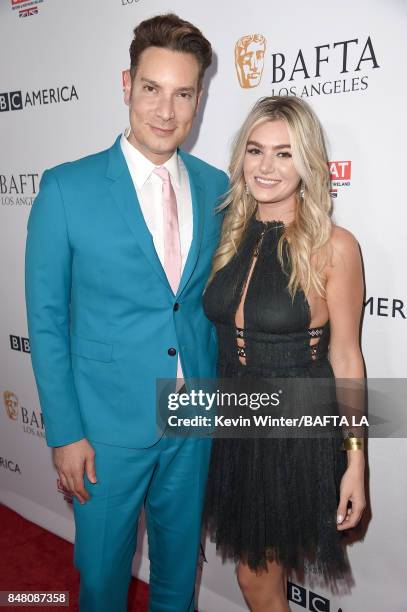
(61, 98)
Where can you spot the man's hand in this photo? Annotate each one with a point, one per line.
(71, 461)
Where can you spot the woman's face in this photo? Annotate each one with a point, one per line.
(268, 165)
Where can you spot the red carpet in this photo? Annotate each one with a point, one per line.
(33, 559)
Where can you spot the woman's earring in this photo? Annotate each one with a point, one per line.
(302, 191)
(246, 189)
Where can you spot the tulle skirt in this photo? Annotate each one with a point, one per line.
(276, 500)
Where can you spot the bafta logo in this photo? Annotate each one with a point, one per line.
(249, 59)
(11, 404)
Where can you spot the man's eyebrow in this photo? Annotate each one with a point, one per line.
(149, 81)
(188, 89)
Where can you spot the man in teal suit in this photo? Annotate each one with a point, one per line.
(104, 324)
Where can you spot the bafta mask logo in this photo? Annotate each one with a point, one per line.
(249, 59)
(11, 404)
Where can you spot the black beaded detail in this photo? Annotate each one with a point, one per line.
(241, 351)
(316, 332)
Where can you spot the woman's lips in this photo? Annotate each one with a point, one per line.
(267, 183)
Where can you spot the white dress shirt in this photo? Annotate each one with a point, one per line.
(149, 186)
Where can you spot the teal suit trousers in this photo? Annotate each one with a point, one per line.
(169, 480)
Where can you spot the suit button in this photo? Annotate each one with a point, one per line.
(172, 352)
(176, 306)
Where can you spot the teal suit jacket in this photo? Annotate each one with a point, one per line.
(100, 310)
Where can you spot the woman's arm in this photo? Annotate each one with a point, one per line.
(344, 294)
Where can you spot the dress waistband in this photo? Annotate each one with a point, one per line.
(271, 350)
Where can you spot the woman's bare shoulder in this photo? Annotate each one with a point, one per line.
(342, 238)
(344, 246)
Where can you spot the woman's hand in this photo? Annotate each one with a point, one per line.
(352, 489)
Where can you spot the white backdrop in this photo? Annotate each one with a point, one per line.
(61, 98)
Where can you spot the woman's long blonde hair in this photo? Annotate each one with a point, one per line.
(307, 237)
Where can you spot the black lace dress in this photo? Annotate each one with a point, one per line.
(272, 499)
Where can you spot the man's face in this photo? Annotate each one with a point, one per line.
(250, 64)
(162, 100)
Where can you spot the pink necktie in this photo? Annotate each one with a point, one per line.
(172, 246)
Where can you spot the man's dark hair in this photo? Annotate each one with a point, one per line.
(170, 32)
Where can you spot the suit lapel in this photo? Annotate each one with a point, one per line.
(125, 197)
(197, 195)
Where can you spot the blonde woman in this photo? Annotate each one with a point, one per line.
(286, 287)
